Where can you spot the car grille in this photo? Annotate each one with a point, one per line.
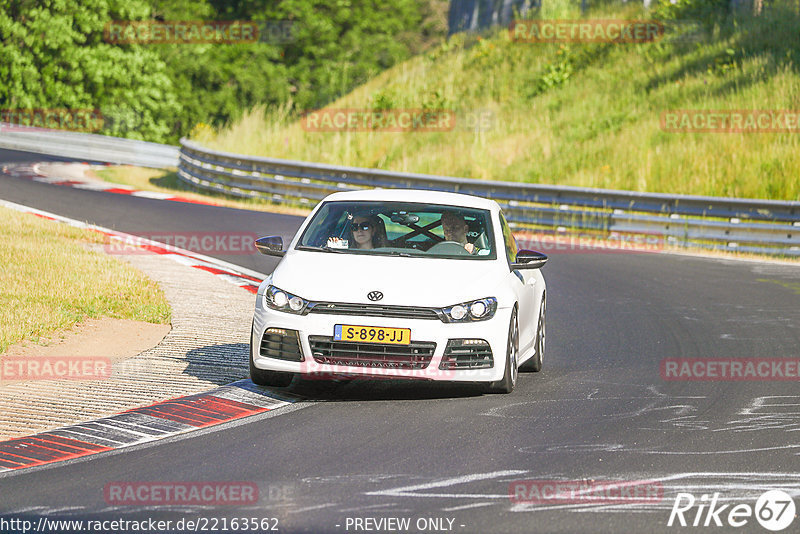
(417, 355)
(281, 344)
(467, 354)
(374, 310)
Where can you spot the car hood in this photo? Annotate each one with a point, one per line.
(332, 277)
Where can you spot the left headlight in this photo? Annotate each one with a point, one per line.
(474, 310)
(278, 299)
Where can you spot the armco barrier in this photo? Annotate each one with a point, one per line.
(748, 225)
(88, 147)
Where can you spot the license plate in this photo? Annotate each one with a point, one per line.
(372, 334)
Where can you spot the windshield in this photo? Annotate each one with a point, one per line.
(401, 229)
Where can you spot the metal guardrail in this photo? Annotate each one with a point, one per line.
(89, 147)
(750, 225)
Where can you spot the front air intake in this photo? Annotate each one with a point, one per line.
(467, 354)
(281, 344)
(416, 355)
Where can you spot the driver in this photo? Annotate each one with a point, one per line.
(455, 229)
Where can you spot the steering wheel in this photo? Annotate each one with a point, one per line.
(449, 247)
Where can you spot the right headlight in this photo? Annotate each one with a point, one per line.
(474, 310)
(278, 299)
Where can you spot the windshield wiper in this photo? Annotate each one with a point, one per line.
(321, 249)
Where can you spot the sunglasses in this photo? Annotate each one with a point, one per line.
(354, 227)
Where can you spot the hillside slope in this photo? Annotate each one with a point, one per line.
(573, 114)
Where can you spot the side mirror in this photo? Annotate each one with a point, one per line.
(529, 259)
(271, 246)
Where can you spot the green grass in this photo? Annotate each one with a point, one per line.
(574, 114)
(50, 281)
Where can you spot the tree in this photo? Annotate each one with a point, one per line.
(52, 55)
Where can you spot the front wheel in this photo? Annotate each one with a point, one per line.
(262, 377)
(509, 380)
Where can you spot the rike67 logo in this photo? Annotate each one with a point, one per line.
(774, 510)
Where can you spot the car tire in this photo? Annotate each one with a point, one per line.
(509, 380)
(535, 364)
(262, 377)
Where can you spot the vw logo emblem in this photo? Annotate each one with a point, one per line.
(374, 295)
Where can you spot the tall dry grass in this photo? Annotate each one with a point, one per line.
(573, 114)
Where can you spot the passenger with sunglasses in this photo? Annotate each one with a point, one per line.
(365, 232)
(368, 231)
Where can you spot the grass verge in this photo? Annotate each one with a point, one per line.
(51, 281)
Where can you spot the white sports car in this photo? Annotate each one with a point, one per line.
(402, 284)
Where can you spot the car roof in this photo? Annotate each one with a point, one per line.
(416, 195)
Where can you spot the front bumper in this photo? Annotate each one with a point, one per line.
(423, 332)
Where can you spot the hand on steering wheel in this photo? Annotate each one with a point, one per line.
(468, 248)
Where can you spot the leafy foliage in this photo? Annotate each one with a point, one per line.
(52, 55)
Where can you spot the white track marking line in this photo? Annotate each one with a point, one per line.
(468, 506)
(404, 491)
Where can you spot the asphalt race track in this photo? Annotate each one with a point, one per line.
(446, 456)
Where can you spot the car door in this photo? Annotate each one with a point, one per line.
(523, 281)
